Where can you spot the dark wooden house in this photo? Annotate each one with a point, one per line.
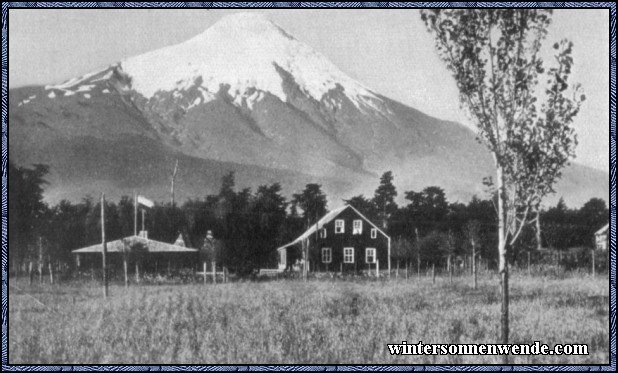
(343, 240)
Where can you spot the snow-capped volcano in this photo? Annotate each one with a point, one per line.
(242, 96)
(243, 52)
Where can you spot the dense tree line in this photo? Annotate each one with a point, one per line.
(252, 224)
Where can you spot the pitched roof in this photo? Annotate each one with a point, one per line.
(180, 241)
(118, 246)
(327, 219)
(602, 230)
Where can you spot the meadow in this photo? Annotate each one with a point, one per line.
(290, 321)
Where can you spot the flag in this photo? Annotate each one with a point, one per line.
(145, 202)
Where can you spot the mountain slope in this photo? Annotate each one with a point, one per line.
(244, 96)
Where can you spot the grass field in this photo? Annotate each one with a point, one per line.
(322, 321)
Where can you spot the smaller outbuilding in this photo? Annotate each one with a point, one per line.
(601, 238)
(151, 255)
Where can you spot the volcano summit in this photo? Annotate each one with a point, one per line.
(243, 96)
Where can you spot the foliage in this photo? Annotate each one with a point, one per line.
(564, 228)
(312, 201)
(523, 110)
(384, 198)
(365, 206)
(26, 211)
(250, 226)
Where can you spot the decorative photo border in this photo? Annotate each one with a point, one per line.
(611, 366)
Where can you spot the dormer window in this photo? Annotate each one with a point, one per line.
(339, 226)
(357, 227)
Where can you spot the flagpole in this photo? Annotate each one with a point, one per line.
(134, 213)
(104, 244)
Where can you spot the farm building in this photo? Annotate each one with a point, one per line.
(151, 255)
(343, 240)
(601, 238)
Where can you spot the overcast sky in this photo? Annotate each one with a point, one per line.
(388, 51)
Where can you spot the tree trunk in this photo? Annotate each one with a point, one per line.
(502, 262)
(538, 229)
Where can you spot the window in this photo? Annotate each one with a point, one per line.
(374, 233)
(348, 255)
(323, 233)
(370, 255)
(339, 226)
(283, 258)
(357, 227)
(327, 255)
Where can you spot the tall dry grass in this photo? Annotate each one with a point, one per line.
(322, 321)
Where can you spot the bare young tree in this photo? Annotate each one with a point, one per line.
(523, 111)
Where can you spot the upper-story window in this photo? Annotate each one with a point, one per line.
(374, 233)
(323, 233)
(339, 226)
(357, 227)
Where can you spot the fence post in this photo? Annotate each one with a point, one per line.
(137, 272)
(126, 271)
(474, 270)
(433, 273)
(593, 267)
(214, 272)
(528, 263)
(377, 268)
(30, 271)
(204, 268)
(51, 272)
(450, 270)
